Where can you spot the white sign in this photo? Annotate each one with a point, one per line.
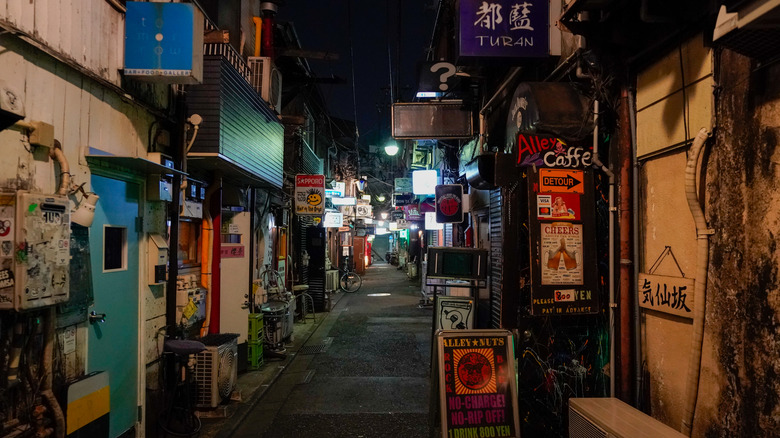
(333, 220)
(309, 194)
(430, 221)
(339, 186)
(424, 182)
(364, 211)
(349, 200)
(561, 253)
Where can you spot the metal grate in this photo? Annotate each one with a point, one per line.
(580, 427)
(316, 348)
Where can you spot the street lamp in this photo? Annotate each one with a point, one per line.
(391, 149)
(381, 198)
(361, 183)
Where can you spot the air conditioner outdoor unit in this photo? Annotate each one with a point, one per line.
(216, 369)
(331, 280)
(611, 418)
(267, 80)
(752, 29)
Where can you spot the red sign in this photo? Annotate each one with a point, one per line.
(232, 252)
(558, 206)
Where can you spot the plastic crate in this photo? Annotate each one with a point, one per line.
(256, 333)
(255, 355)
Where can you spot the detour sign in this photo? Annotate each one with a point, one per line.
(561, 181)
(477, 389)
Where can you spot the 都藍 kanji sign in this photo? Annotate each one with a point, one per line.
(505, 28)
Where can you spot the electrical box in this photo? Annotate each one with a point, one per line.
(159, 188)
(158, 259)
(34, 250)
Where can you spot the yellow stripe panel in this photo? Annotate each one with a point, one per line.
(88, 409)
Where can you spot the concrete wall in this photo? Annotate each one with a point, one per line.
(664, 216)
(739, 388)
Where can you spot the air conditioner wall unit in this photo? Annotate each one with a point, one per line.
(331, 280)
(752, 29)
(610, 417)
(216, 369)
(266, 80)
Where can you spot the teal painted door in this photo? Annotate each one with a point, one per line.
(113, 343)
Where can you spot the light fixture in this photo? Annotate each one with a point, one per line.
(383, 214)
(85, 214)
(361, 183)
(381, 198)
(391, 149)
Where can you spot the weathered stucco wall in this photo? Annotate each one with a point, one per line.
(743, 207)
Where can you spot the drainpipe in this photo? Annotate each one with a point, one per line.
(611, 281)
(216, 214)
(57, 154)
(700, 283)
(624, 152)
(635, 208)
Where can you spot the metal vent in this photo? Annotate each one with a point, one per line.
(580, 427)
(753, 29)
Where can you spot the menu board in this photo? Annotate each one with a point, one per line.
(477, 387)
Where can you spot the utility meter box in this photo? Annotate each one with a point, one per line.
(34, 250)
(158, 259)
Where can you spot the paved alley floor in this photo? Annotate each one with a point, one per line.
(363, 373)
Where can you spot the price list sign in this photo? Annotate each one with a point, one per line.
(477, 388)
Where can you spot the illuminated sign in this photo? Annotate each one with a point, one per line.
(424, 182)
(350, 200)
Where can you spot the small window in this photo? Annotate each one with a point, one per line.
(114, 248)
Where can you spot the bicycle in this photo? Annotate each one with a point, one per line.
(349, 281)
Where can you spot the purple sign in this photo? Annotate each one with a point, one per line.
(506, 28)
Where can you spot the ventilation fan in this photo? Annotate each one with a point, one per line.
(216, 369)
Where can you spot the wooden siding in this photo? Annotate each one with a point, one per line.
(88, 32)
(236, 122)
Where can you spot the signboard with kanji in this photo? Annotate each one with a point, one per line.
(504, 28)
(310, 194)
(666, 294)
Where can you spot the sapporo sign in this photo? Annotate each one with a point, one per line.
(477, 388)
(309, 194)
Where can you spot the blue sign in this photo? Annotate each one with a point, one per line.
(505, 28)
(164, 42)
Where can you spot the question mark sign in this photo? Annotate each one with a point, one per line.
(449, 71)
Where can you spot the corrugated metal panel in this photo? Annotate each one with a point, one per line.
(236, 122)
(447, 234)
(496, 256)
(310, 161)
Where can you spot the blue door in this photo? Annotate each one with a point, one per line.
(113, 343)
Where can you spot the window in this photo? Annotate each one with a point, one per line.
(114, 248)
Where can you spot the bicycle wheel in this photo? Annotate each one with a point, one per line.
(350, 282)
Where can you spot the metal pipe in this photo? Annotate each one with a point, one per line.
(700, 282)
(635, 208)
(611, 244)
(624, 152)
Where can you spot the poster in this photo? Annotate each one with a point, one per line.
(561, 244)
(454, 313)
(477, 388)
(309, 194)
(558, 206)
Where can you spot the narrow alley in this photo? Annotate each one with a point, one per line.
(364, 372)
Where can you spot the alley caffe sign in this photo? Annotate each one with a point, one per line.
(543, 151)
(476, 383)
(310, 194)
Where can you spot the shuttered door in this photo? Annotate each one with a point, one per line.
(496, 256)
(448, 234)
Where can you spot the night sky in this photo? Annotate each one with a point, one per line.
(323, 25)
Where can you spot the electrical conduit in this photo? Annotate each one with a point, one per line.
(700, 282)
(611, 196)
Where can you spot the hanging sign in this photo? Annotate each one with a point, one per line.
(666, 294)
(403, 185)
(364, 210)
(449, 203)
(561, 181)
(401, 199)
(309, 194)
(544, 151)
(476, 382)
(333, 220)
(505, 28)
